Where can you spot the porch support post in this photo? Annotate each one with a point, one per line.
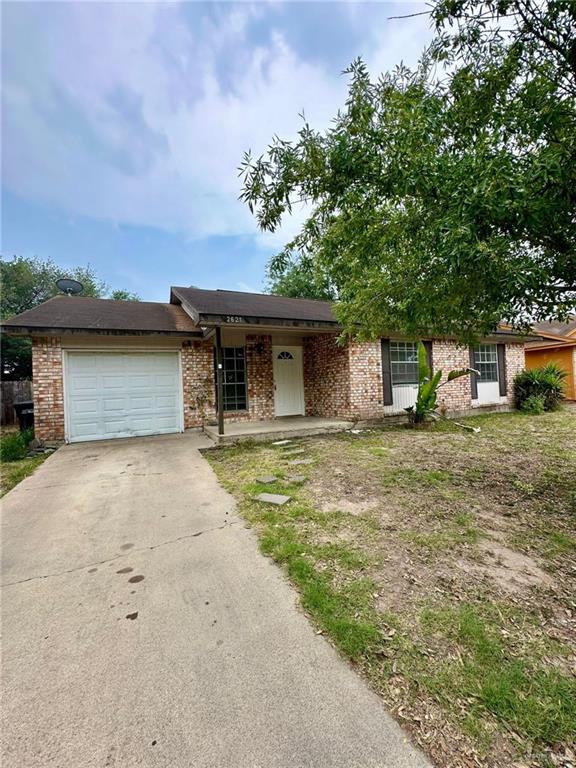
(219, 375)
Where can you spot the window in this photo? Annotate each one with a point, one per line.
(234, 379)
(404, 362)
(486, 362)
(285, 355)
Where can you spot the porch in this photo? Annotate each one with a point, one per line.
(281, 428)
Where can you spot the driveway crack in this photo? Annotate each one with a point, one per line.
(178, 539)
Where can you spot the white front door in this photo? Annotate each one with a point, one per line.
(122, 394)
(288, 381)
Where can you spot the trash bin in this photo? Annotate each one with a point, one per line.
(25, 414)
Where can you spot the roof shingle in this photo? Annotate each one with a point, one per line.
(254, 305)
(86, 313)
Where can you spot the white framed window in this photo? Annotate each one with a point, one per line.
(486, 362)
(404, 362)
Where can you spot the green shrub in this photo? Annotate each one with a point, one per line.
(14, 446)
(533, 404)
(545, 384)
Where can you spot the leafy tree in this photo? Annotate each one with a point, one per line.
(443, 199)
(300, 279)
(121, 294)
(27, 282)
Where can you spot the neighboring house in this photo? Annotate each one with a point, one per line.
(105, 369)
(556, 345)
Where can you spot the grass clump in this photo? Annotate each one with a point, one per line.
(537, 703)
(14, 472)
(14, 445)
(460, 531)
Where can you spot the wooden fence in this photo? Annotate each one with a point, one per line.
(13, 392)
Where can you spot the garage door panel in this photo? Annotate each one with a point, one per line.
(140, 403)
(87, 429)
(86, 408)
(115, 426)
(167, 422)
(140, 381)
(83, 382)
(120, 394)
(164, 380)
(166, 401)
(114, 403)
(114, 382)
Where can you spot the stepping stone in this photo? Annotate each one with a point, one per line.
(267, 479)
(300, 462)
(272, 498)
(295, 479)
(283, 442)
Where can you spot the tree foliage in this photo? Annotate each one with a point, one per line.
(300, 279)
(443, 199)
(27, 282)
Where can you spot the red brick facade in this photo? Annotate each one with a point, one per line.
(198, 382)
(48, 389)
(339, 381)
(326, 376)
(260, 376)
(448, 356)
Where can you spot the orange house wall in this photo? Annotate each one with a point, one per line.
(562, 357)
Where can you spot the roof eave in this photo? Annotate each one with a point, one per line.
(246, 321)
(27, 330)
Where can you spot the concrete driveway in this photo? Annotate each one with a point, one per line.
(142, 627)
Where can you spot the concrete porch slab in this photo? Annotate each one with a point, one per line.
(277, 429)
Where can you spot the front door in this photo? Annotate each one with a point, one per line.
(288, 381)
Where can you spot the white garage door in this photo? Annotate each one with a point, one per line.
(122, 394)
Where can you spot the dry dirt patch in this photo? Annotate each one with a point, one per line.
(443, 564)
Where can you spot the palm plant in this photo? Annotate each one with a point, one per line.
(428, 386)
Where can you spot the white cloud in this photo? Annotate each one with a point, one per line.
(129, 113)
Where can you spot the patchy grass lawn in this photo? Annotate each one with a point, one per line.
(13, 472)
(442, 564)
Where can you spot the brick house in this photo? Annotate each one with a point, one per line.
(104, 369)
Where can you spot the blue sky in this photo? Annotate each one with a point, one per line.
(124, 125)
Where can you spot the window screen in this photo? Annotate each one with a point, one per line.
(234, 379)
(404, 362)
(486, 362)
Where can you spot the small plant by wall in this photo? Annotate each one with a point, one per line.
(539, 389)
(14, 445)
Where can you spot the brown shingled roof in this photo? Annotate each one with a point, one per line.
(557, 328)
(84, 313)
(254, 305)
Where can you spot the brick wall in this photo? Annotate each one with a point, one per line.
(515, 362)
(347, 381)
(326, 376)
(448, 356)
(200, 386)
(366, 392)
(259, 370)
(198, 382)
(48, 390)
(339, 381)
